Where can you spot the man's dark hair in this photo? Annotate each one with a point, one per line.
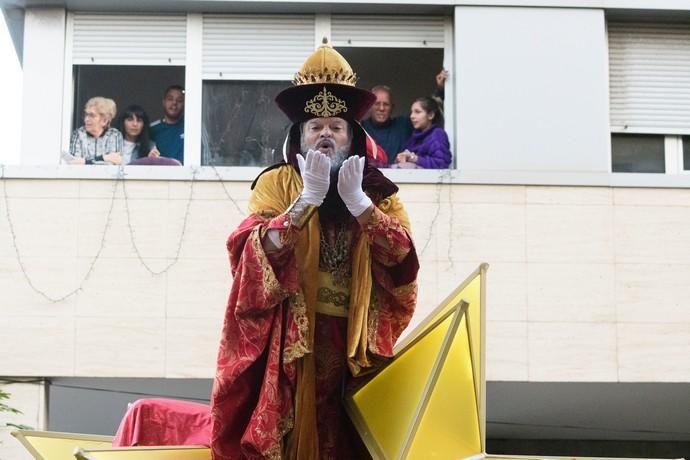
(173, 88)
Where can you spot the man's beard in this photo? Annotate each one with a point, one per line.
(340, 153)
(333, 209)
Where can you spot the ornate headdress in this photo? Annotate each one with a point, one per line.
(325, 87)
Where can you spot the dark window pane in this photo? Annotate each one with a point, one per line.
(126, 85)
(410, 72)
(686, 153)
(639, 153)
(241, 124)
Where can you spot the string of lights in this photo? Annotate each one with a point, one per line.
(120, 179)
(222, 183)
(182, 232)
(20, 259)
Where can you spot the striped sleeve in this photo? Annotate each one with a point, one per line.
(75, 146)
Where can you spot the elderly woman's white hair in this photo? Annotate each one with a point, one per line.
(103, 106)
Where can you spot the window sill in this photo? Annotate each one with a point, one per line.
(452, 176)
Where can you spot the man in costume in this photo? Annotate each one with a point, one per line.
(324, 280)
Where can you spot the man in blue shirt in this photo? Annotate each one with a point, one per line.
(168, 132)
(391, 133)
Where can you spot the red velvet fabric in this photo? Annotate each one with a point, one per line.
(164, 422)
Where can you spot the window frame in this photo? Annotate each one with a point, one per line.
(194, 80)
(673, 145)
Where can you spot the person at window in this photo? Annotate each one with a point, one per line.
(324, 280)
(428, 147)
(168, 132)
(134, 125)
(389, 132)
(96, 141)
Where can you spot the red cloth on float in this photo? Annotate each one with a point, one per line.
(164, 422)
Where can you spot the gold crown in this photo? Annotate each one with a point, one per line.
(325, 65)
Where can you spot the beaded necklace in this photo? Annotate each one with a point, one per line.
(335, 258)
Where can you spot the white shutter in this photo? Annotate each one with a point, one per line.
(127, 39)
(388, 31)
(649, 77)
(256, 47)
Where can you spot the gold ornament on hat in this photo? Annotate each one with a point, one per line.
(325, 105)
(325, 65)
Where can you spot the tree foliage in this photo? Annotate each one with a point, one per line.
(6, 408)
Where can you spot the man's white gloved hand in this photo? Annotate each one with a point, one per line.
(316, 176)
(350, 185)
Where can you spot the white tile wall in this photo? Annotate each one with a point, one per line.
(29, 399)
(654, 352)
(121, 288)
(506, 350)
(198, 288)
(38, 345)
(650, 293)
(569, 233)
(183, 361)
(571, 352)
(588, 196)
(120, 347)
(483, 232)
(652, 234)
(507, 291)
(571, 292)
(45, 227)
(584, 284)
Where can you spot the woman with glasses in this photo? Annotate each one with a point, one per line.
(96, 142)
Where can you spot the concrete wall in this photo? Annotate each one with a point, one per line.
(42, 103)
(532, 89)
(585, 284)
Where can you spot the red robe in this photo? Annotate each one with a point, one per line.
(267, 333)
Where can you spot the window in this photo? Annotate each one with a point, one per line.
(638, 153)
(129, 58)
(409, 72)
(241, 125)
(245, 60)
(248, 59)
(126, 85)
(650, 99)
(686, 153)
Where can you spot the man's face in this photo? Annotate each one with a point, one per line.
(173, 104)
(330, 136)
(382, 109)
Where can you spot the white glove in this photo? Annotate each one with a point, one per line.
(316, 176)
(350, 185)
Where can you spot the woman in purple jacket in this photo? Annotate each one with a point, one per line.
(428, 147)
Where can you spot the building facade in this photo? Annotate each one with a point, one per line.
(570, 130)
